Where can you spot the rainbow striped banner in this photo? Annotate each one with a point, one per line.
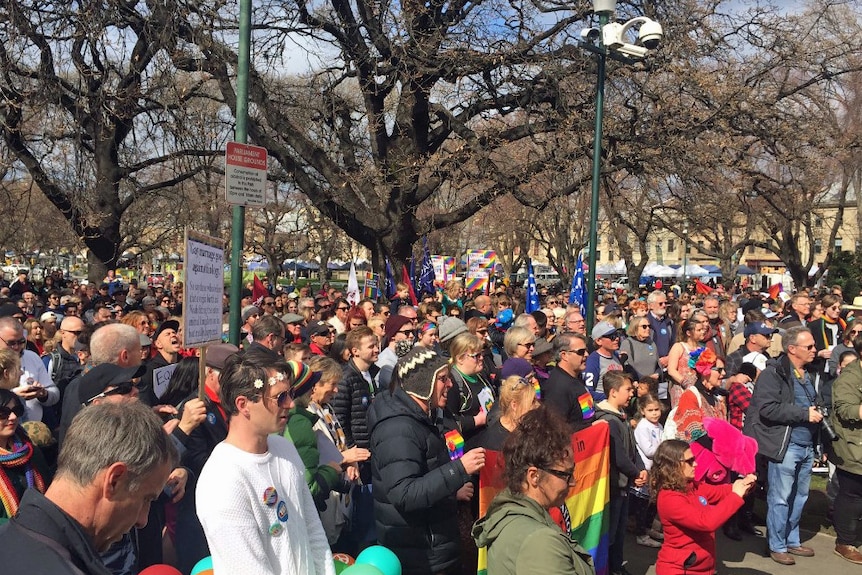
(480, 267)
(371, 289)
(585, 513)
(444, 268)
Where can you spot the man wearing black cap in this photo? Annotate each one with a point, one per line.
(758, 338)
(320, 337)
(167, 346)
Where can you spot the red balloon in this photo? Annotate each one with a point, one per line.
(160, 569)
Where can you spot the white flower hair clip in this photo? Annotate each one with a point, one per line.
(258, 383)
(278, 377)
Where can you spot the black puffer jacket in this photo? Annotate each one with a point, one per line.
(414, 485)
(352, 401)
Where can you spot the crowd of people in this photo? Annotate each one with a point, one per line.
(337, 425)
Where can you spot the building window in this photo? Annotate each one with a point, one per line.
(818, 221)
(818, 246)
(838, 244)
(598, 255)
(646, 247)
(671, 245)
(752, 249)
(610, 256)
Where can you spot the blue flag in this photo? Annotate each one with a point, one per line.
(389, 288)
(532, 294)
(578, 294)
(426, 274)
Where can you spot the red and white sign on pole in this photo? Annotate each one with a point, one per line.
(245, 175)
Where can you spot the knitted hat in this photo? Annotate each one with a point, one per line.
(393, 325)
(515, 366)
(417, 371)
(249, 311)
(303, 378)
(449, 327)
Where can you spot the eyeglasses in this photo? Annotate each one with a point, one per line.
(855, 332)
(719, 369)
(477, 355)
(342, 308)
(530, 381)
(406, 331)
(6, 411)
(643, 326)
(689, 461)
(808, 347)
(581, 352)
(283, 400)
(269, 303)
(72, 331)
(482, 331)
(567, 475)
(14, 342)
(530, 345)
(660, 303)
(123, 388)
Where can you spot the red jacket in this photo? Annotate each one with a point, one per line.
(690, 520)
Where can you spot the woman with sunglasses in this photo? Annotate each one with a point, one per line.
(519, 342)
(690, 511)
(518, 530)
(471, 396)
(700, 400)
(828, 331)
(853, 330)
(22, 465)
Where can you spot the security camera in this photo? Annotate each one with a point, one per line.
(650, 34)
(590, 35)
(633, 51)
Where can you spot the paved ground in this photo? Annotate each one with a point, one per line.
(747, 558)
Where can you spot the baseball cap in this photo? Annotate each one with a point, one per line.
(318, 328)
(48, 316)
(759, 328)
(169, 324)
(103, 376)
(603, 329)
(293, 295)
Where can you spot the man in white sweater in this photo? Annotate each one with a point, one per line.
(252, 498)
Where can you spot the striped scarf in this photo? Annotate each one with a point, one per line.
(335, 430)
(19, 456)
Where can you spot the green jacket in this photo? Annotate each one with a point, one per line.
(320, 477)
(522, 539)
(846, 399)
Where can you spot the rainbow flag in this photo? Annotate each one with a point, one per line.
(584, 515)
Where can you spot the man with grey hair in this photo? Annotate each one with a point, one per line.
(267, 337)
(784, 418)
(115, 343)
(663, 336)
(564, 391)
(527, 321)
(104, 485)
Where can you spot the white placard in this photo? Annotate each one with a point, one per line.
(161, 379)
(204, 288)
(245, 175)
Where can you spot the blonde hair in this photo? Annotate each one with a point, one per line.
(465, 342)
(10, 368)
(512, 391)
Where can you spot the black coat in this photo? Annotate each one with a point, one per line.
(414, 485)
(352, 401)
(42, 540)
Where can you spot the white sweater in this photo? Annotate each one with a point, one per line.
(238, 523)
(647, 438)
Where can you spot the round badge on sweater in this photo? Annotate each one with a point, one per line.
(703, 500)
(211, 418)
(270, 496)
(276, 529)
(281, 511)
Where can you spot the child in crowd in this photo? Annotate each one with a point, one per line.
(647, 438)
(627, 469)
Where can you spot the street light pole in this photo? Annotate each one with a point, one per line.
(601, 57)
(684, 258)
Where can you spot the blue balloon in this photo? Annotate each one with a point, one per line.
(382, 558)
(205, 564)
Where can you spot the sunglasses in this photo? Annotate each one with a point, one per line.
(482, 331)
(283, 400)
(581, 352)
(14, 342)
(689, 461)
(6, 411)
(124, 388)
(406, 331)
(530, 345)
(340, 308)
(808, 347)
(612, 336)
(567, 475)
(855, 332)
(530, 381)
(474, 355)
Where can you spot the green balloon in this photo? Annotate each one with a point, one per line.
(362, 569)
(385, 560)
(340, 567)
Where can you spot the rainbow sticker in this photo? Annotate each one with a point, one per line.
(538, 389)
(586, 403)
(455, 444)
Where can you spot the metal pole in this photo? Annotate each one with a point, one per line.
(238, 228)
(597, 170)
(684, 259)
